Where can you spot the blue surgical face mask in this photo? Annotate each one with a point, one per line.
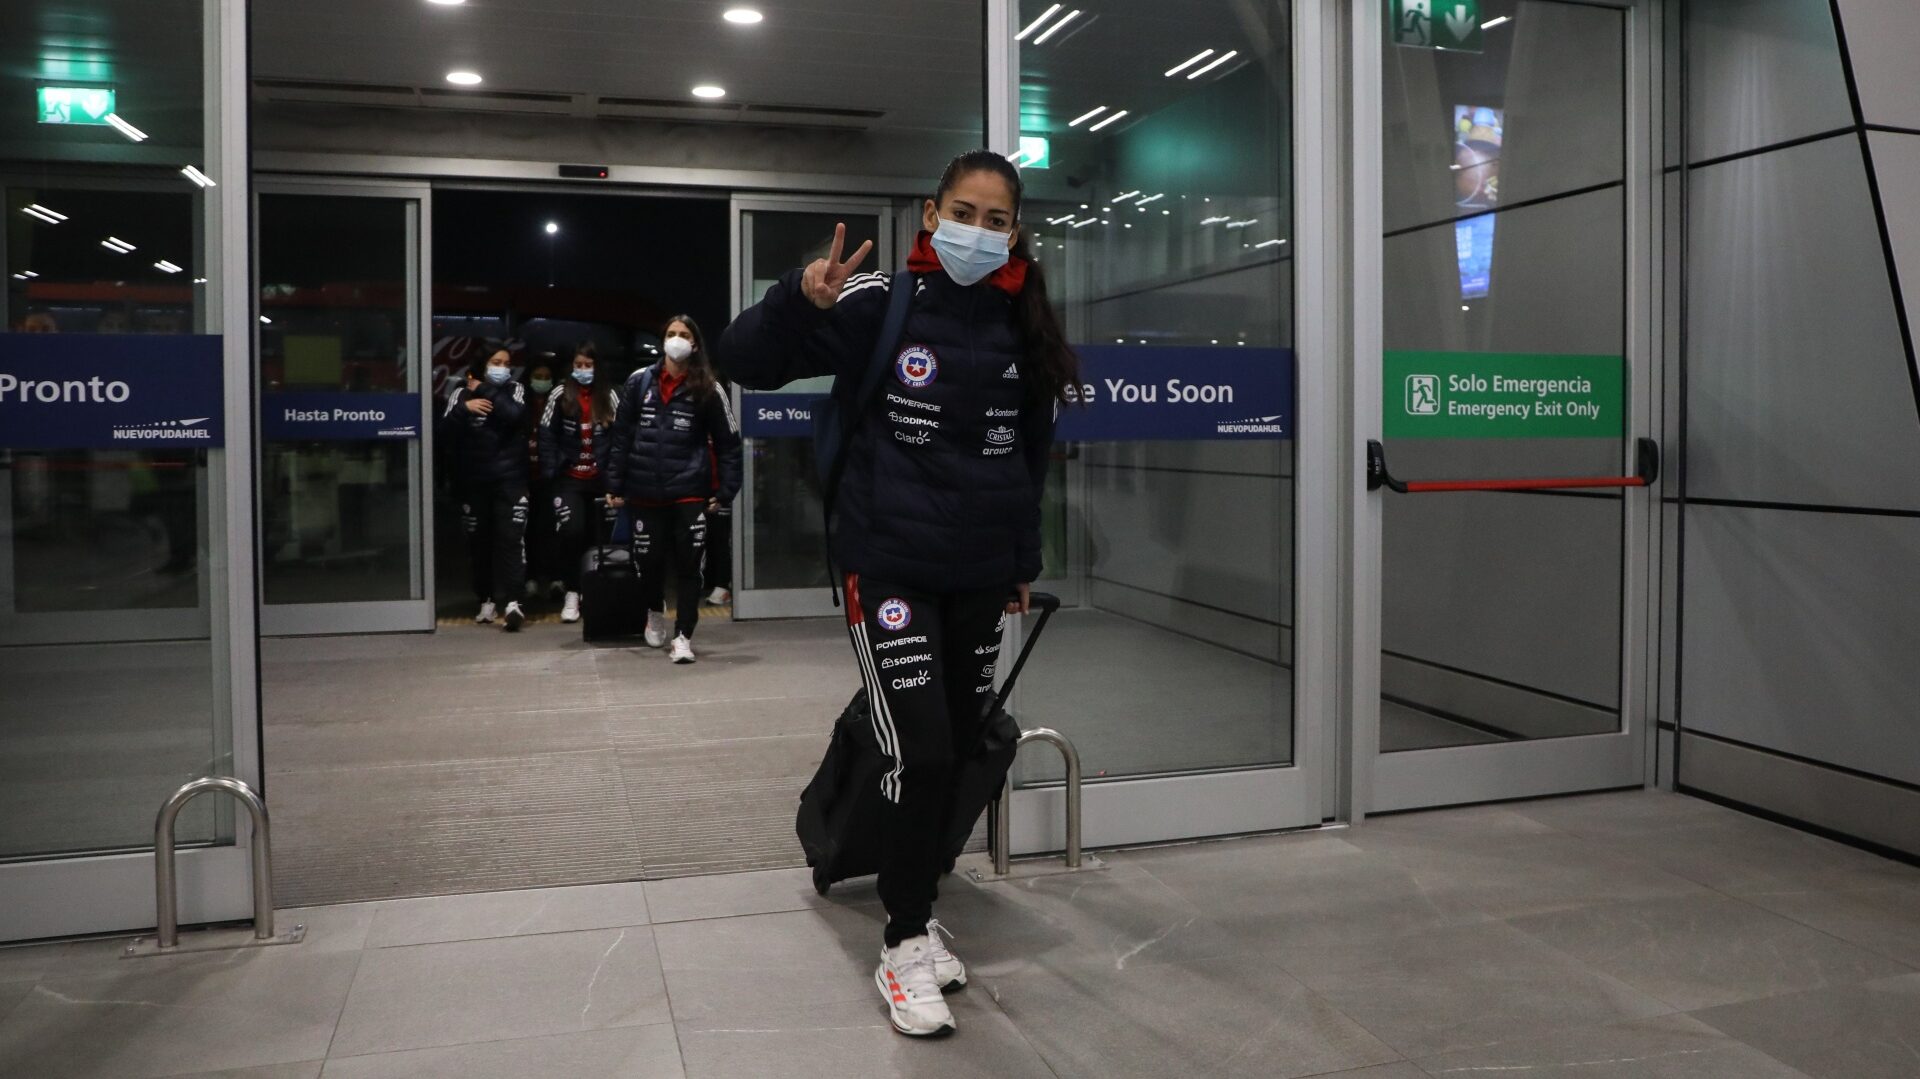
(499, 375)
(540, 385)
(968, 252)
(583, 375)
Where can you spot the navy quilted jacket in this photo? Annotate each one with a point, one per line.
(942, 484)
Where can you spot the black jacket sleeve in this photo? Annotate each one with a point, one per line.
(509, 406)
(620, 437)
(603, 431)
(550, 452)
(1037, 422)
(784, 337)
(724, 431)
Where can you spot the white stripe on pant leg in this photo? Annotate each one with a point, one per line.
(882, 713)
(891, 783)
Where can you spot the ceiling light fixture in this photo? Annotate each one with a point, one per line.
(1214, 220)
(1151, 198)
(553, 227)
(1085, 116)
(1055, 28)
(127, 129)
(1491, 23)
(743, 16)
(1108, 120)
(447, 3)
(198, 177)
(1062, 219)
(1223, 58)
(1125, 197)
(463, 78)
(1269, 243)
(709, 92)
(1035, 24)
(41, 213)
(1084, 224)
(118, 246)
(1188, 62)
(265, 321)
(166, 267)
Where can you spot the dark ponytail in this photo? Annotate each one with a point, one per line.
(1051, 360)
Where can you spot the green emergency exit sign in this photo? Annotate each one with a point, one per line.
(1503, 395)
(75, 105)
(1435, 24)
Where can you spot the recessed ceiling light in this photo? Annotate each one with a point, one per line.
(744, 16)
(463, 78)
(553, 227)
(447, 3)
(131, 132)
(198, 177)
(709, 91)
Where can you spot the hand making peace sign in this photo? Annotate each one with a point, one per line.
(823, 280)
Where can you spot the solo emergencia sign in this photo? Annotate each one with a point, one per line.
(94, 391)
(1503, 395)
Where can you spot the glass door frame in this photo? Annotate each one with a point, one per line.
(1306, 791)
(415, 615)
(1382, 782)
(752, 603)
(113, 891)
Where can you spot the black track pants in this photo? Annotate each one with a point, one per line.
(494, 514)
(682, 527)
(927, 660)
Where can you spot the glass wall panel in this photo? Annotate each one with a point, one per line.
(1157, 153)
(106, 648)
(1504, 257)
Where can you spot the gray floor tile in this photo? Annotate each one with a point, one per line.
(798, 959)
(305, 1070)
(480, 915)
(12, 993)
(1220, 1017)
(727, 895)
(649, 1052)
(150, 1020)
(1884, 920)
(1869, 1031)
(1623, 813)
(330, 930)
(1743, 855)
(1459, 987)
(1117, 918)
(514, 987)
(29, 962)
(1699, 951)
(1401, 1070)
(1305, 890)
(1514, 874)
(1664, 1047)
(854, 1038)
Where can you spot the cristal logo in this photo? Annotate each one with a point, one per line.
(895, 615)
(913, 681)
(916, 366)
(1000, 436)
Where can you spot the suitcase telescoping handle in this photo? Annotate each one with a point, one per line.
(1046, 603)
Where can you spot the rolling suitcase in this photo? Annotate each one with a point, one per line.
(611, 604)
(839, 817)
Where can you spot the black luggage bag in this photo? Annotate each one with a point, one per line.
(611, 603)
(839, 817)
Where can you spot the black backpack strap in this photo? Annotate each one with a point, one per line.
(892, 329)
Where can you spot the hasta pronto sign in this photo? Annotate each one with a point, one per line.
(91, 391)
(1503, 395)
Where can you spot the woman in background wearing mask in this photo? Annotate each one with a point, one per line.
(540, 537)
(573, 452)
(937, 523)
(485, 426)
(675, 458)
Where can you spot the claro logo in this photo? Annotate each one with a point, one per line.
(92, 391)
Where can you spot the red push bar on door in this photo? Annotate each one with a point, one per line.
(1647, 470)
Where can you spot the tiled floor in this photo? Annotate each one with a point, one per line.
(1618, 936)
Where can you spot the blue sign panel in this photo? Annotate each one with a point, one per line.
(777, 415)
(1127, 393)
(1136, 393)
(339, 417)
(110, 391)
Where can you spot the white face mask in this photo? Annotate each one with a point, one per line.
(968, 252)
(677, 349)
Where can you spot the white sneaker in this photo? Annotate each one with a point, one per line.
(719, 597)
(906, 981)
(486, 613)
(682, 650)
(948, 971)
(515, 618)
(571, 611)
(656, 629)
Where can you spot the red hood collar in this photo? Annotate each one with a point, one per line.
(1009, 279)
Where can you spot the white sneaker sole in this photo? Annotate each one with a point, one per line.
(893, 1014)
(569, 618)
